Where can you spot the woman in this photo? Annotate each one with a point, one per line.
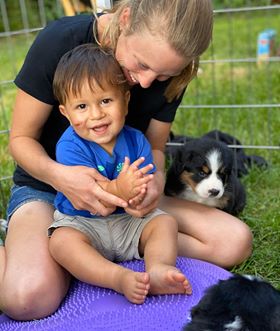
(157, 43)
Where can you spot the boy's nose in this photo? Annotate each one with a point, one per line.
(96, 113)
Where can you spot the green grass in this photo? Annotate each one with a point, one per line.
(224, 84)
(261, 214)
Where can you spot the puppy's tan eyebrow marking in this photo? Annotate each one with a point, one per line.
(205, 169)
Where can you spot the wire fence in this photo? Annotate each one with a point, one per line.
(251, 88)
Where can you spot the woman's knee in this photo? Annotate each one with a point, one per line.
(237, 247)
(32, 298)
(244, 243)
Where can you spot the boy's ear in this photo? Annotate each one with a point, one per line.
(64, 112)
(124, 18)
(127, 96)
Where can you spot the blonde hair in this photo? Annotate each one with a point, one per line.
(186, 25)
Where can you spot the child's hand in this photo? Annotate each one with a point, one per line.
(137, 200)
(132, 181)
(150, 199)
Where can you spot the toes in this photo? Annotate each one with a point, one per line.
(137, 288)
(142, 277)
(138, 300)
(177, 276)
(187, 287)
(142, 293)
(139, 297)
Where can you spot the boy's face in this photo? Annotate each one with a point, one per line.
(97, 115)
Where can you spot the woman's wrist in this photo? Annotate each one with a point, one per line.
(55, 174)
(160, 178)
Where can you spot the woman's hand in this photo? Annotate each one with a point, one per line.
(79, 185)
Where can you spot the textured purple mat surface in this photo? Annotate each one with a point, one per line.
(90, 308)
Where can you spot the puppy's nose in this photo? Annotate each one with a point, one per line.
(213, 192)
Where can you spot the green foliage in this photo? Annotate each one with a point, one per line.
(221, 4)
(237, 83)
(16, 20)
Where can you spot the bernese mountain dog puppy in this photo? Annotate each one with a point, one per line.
(240, 303)
(202, 171)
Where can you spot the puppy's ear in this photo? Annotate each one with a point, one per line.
(178, 162)
(185, 155)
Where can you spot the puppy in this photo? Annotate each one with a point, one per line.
(240, 303)
(242, 162)
(202, 171)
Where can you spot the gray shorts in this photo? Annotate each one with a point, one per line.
(116, 237)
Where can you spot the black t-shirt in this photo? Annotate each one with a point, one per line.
(36, 77)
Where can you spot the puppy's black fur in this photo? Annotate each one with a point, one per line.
(242, 162)
(241, 303)
(202, 171)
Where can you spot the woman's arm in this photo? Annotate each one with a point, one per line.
(28, 119)
(77, 183)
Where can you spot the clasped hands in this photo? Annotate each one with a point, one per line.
(85, 187)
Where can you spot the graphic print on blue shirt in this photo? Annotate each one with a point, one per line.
(74, 150)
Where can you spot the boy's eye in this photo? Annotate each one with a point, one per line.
(82, 106)
(106, 101)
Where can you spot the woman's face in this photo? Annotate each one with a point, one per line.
(144, 58)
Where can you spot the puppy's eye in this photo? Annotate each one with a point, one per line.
(202, 174)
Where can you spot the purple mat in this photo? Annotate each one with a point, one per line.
(88, 308)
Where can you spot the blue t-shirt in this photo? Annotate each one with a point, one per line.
(71, 149)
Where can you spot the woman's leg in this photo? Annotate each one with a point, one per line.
(32, 284)
(209, 234)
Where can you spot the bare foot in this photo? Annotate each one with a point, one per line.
(166, 279)
(133, 285)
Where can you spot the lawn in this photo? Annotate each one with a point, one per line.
(233, 83)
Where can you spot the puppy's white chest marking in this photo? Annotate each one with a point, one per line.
(236, 325)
